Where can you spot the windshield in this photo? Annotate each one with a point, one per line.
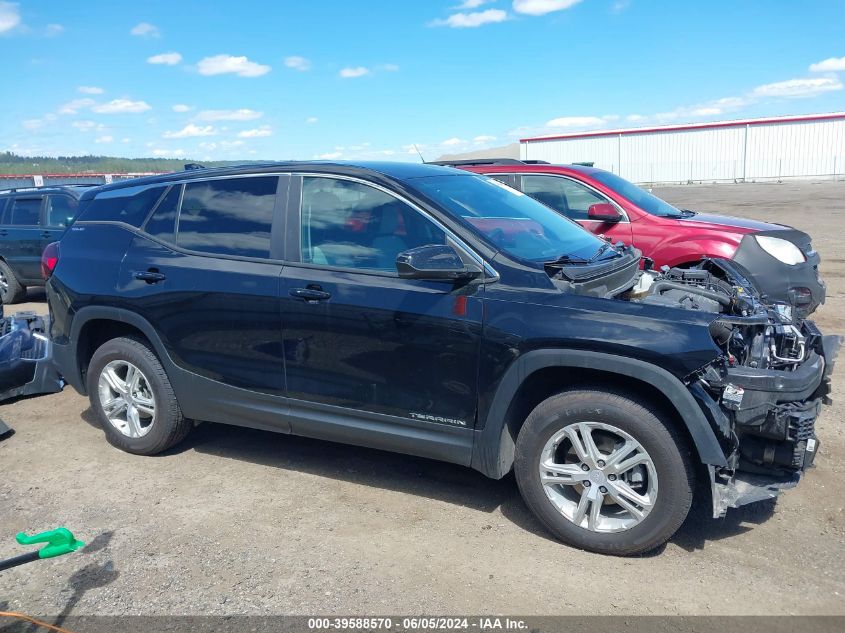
(514, 222)
(639, 196)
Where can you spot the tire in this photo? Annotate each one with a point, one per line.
(11, 290)
(611, 419)
(147, 435)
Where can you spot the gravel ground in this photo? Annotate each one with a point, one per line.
(238, 521)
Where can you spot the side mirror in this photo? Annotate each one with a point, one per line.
(604, 212)
(435, 262)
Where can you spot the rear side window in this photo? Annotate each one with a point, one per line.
(231, 216)
(24, 212)
(162, 224)
(130, 205)
(61, 209)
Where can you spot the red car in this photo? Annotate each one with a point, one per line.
(781, 259)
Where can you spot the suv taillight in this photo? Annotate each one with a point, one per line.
(49, 259)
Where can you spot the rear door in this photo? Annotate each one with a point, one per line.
(205, 273)
(20, 236)
(574, 199)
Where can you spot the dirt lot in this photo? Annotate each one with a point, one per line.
(238, 521)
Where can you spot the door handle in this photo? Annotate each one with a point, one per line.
(150, 276)
(46, 234)
(3, 232)
(310, 294)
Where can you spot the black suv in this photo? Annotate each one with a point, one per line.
(31, 218)
(434, 312)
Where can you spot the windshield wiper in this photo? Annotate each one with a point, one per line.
(568, 259)
(602, 249)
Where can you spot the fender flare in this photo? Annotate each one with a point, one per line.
(493, 447)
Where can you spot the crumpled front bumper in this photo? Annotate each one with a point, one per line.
(771, 418)
(26, 363)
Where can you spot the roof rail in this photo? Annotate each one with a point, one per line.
(477, 161)
(60, 186)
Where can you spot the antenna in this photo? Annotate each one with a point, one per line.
(416, 149)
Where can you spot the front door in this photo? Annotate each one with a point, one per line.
(357, 336)
(574, 199)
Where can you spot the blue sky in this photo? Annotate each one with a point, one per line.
(354, 79)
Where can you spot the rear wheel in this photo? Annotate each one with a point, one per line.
(603, 472)
(11, 290)
(133, 398)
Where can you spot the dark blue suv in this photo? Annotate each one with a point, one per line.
(31, 218)
(434, 312)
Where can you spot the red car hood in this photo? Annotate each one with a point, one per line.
(716, 222)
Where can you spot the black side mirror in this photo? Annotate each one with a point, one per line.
(435, 262)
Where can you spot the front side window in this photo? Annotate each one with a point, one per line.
(230, 216)
(61, 209)
(566, 196)
(24, 212)
(509, 219)
(351, 225)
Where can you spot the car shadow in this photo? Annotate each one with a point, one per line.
(431, 479)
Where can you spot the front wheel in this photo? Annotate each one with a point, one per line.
(603, 472)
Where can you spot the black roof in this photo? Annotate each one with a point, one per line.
(394, 170)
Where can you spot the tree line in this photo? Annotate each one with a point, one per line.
(11, 163)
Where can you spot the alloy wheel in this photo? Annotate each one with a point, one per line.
(598, 476)
(127, 398)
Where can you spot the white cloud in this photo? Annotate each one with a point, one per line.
(122, 106)
(472, 20)
(620, 5)
(329, 156)
(829, 65)
(576, 121)
(145, 29)
(311, 119)
(10, 16)
(243, 114)
(259, 132)
(542, 7)
(104, 139)
(610, 117)
(90, 90)
(51, 30)
(357, 71)
(390, 68)
(452, 142)
(471, 4)
(706, 111)
(191, 130)
(168, 59)
(484, 138)
(32, 124)
(798, 87)
(634, 118)
(125, 139)
(169, 153)
(298, 63)
(181, 107)
(226, 64)
(73, 106)
(84, 126)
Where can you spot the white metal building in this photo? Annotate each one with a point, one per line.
(807, 146)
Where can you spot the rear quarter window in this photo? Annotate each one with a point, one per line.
(130, 205)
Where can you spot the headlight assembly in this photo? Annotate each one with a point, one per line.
(782, 250)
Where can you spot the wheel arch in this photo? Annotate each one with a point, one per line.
(537, 375)
(94, 325)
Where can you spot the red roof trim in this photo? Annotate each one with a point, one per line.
(690, 126)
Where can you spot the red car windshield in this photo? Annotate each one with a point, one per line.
(639, 196)
(511, 220)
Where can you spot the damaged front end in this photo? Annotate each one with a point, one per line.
(764, 392)
(26, 364)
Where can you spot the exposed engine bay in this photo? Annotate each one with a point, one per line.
(762, 393)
